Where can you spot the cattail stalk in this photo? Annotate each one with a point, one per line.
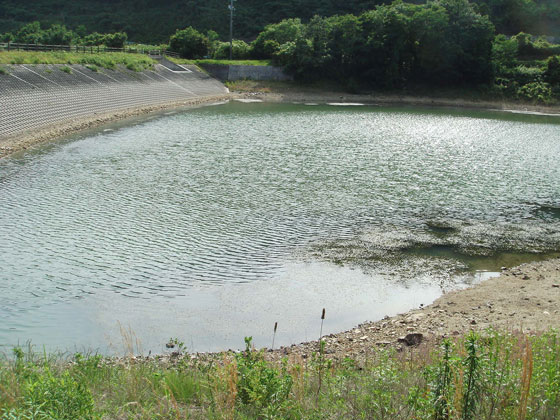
(321, 332)
(321, 361)
(274, 335)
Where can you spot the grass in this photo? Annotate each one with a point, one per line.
(3, 70)
(493, 376)
(136, 62)
(221, 62)
(92, 67)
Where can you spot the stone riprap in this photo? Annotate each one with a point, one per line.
(37, 96)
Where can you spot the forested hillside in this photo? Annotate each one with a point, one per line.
(155, 20)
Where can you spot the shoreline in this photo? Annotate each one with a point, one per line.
(26, 140)
(55, 131)
(403, 100)
(525, 297)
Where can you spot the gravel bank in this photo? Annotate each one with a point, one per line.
(31, 138)
(524, 298)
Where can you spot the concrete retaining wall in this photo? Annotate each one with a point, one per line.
(236, 72)
(36, 96)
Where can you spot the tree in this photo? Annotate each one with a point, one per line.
(115, 40)
(189, 43)
(93, 39)
(471, 36)
(213, 42)
(287, 30)
(433, 50)
(343, 38)
(7, 37)
(29, 34)
(57, 35)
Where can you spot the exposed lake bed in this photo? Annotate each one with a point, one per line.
(215, 223)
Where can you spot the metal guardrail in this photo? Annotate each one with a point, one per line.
(13, 46)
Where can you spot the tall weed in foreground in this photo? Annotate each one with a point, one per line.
(38, 391)
(500, 383)
(442, 386)
(502, 376)
(471, 395)
(544, 395)
(59, 396)
(250, 387)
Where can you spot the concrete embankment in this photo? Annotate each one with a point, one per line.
(239, 72)
(38, 101)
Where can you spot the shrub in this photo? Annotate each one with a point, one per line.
(552, 73)
(241, 50)
(189, 43)
(259, 384)
(58, 397)
(535, 92)
(523, 74)
(504, 51)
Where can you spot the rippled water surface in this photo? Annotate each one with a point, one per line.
(212, 224)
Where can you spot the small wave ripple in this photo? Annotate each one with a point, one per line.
(230, 193)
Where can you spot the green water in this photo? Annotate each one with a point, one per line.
(215, 223)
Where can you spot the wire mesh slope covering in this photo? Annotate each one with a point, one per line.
(36, 96)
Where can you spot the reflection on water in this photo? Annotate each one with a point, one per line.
(215, 223)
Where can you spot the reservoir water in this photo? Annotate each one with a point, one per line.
(212, 224)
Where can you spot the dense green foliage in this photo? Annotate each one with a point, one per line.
(444, 42)
(392, 46)
(525, 69)
(154, 21)
(495, 376)
(189, 43)
(33, 33)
